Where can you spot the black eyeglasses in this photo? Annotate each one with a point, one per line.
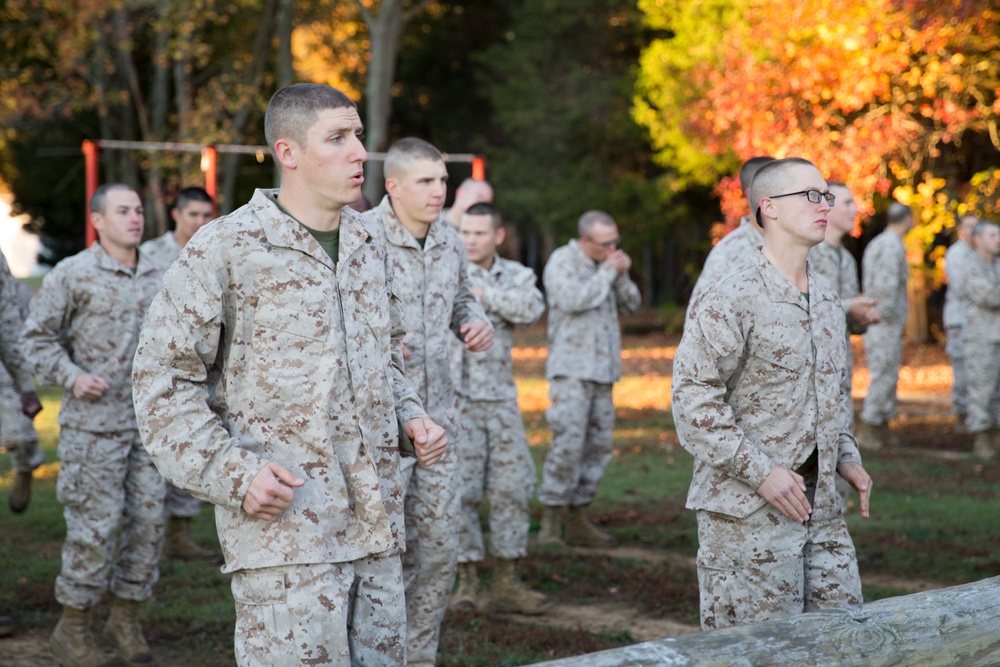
(607, 245)
(814, 196)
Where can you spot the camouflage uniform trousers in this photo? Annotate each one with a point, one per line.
(582, 419)
(955, 348)
(108, 481)
(984, 387)
(338, 614)
(430, 510)
(884, 355)
(766, 566)
(179, 504)
(17, 432)
(495, 459)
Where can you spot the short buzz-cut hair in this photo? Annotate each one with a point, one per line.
(897, 213)
(99, 200)
(407, 150)
(769, 181)
(593, 218)
(749, 169)
(483, 208)
(983, 225)
(293, 110)
(192, 194)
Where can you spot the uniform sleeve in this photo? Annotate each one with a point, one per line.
(569, 292)
(466, 307)
(11, 322)
(847, 444)
(520, 302)
(627, 293)
(880, 278)
(977, 288)
(708, 357)
(716, 265)
(178, 354)
(50, 314)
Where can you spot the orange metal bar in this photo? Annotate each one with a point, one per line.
(210, 165)
(479, 168)
(90, 151)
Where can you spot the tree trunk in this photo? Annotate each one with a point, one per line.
(286, 72)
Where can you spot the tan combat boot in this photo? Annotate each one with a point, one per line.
(178, 543)
(983, 447)
(512, 596)
(20, 494)
(550, 532)
(124, 631)
(464, 597)
(581, 533)
(71, 642)
(869, 437)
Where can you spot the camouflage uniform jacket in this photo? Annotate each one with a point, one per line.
(840, 269)
(86, 319)
(164, 249)
(757, 384)
(259, 349)
(729, 253)
(433, 286)
(884, 272)
(11, 354)
(585, 298)
(980, 293)
(510, 297)
(956, 261)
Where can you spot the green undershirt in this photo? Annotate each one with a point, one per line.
(328, 241)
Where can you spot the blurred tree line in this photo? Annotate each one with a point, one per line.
(644, 108)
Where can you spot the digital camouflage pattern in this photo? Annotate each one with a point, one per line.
(17, 432)
(434, 291)
(728, 254)
(494, 458)
(980, 293)
(840, 269)
(752, 340)
(11, 321)
(584, 298)
(884, 272)
(956, 260)
(329, 614)
(164, 249)
(259, 349)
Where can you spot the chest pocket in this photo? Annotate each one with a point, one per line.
(288, 341)
(776, 366)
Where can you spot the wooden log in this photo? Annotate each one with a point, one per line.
(952, 626)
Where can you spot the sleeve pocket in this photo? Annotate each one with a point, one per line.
(259, 587)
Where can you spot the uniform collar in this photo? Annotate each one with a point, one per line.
(145, 263)
(399, 235)
(779, 289)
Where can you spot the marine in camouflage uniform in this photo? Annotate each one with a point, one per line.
(81, 334)
(979, 290)
(433, 287)
(269, 382)
(17, 430)
(494, 458)
(587, 286)
(752, 340)
(193, 209)
(884, 274)
(956, 260)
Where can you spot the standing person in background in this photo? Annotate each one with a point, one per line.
(734, 248)
(429, 263)
(956, 260)
(469, 192)
(81, 335)
(884, 272)
(493, 455)
(588, 286)
(193, 210)
(18, 401)
(979, 290)
(269, 381)
(772, 538)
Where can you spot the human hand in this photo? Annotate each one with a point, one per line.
(406, 351)
(857, 477)
(429, 440)
(89, 387)
(786, 490)
(619, 261)
(30, 405)
(478, 335)
(270, 492)
(863, 311)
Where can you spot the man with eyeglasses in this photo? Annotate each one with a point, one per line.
(587, 287)
(884, 272)
(758, 400)
(733, 249)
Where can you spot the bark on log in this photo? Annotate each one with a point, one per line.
(951, 626)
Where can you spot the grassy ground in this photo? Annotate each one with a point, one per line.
(934, 516)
